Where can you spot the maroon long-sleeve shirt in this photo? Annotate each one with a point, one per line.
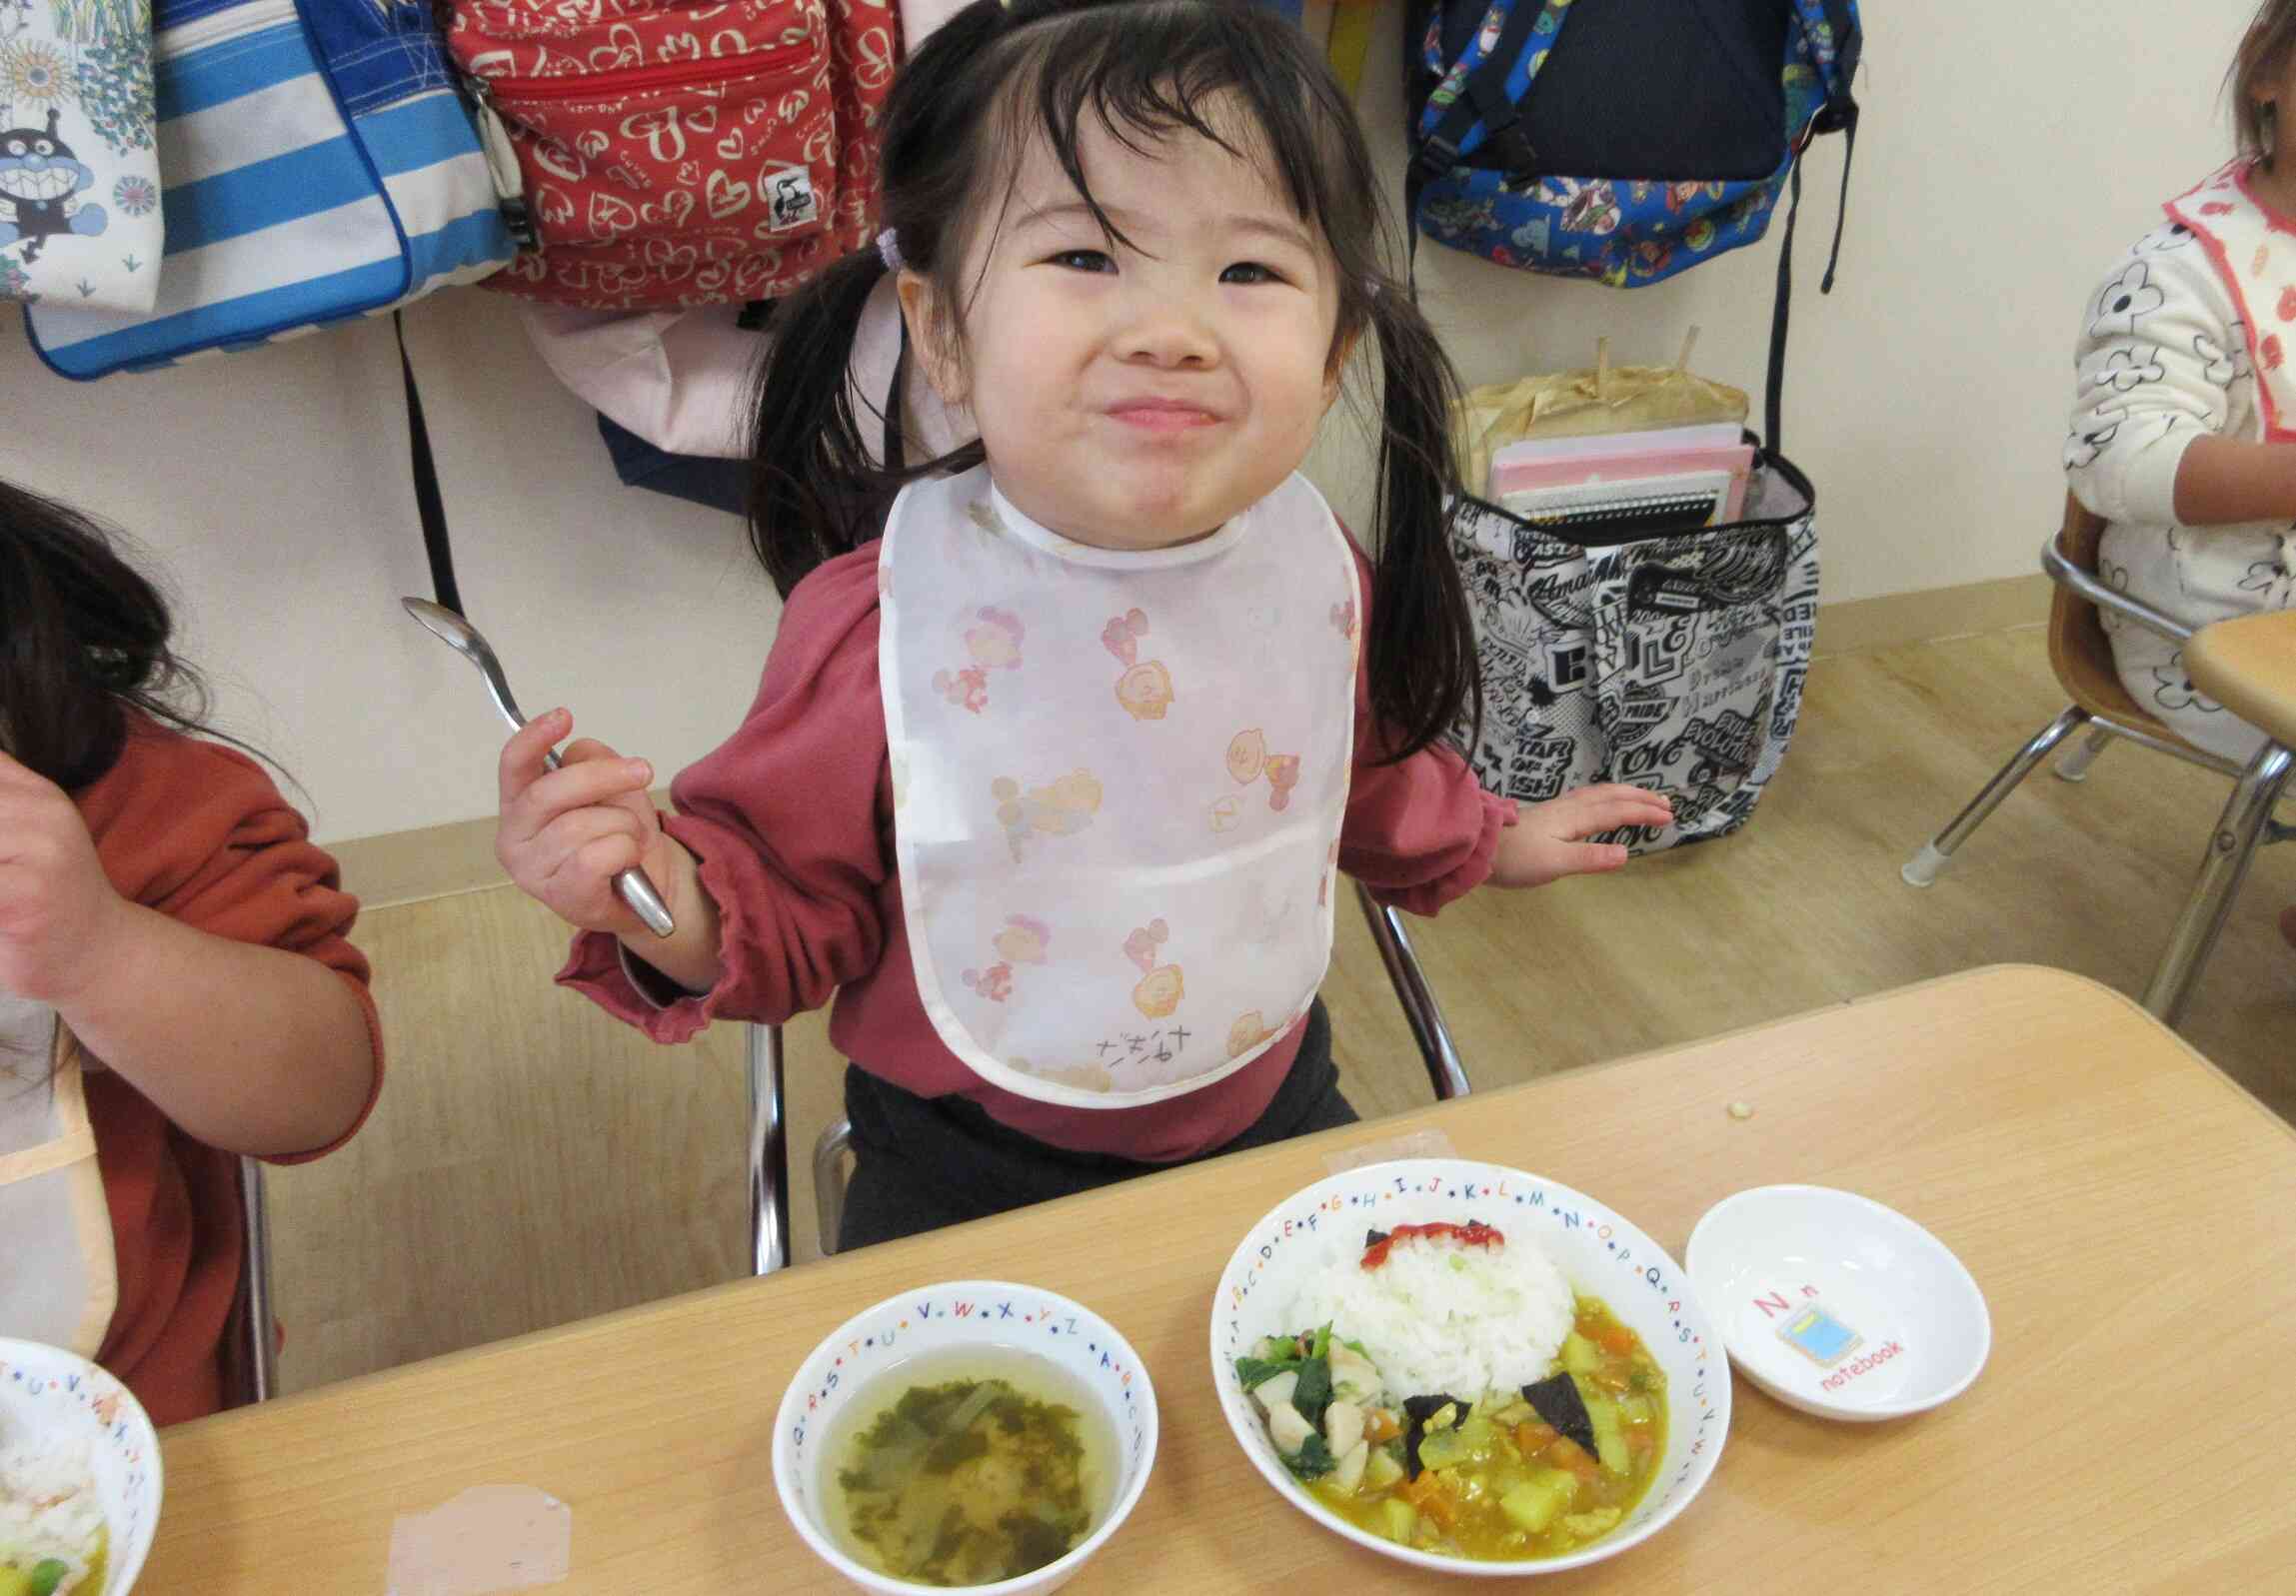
(792, 821)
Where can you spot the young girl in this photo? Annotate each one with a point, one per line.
(173, 977)
(2184, 417)
(1063, 736)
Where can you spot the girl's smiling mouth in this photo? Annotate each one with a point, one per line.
(1161, 416)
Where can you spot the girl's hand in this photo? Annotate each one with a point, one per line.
(563, 835)
(57, 909)
(1544, 844)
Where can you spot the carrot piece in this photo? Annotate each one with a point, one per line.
(1427, 1495)
(1380, 1426)
(1615, 1337)
(1533, 1438)
(1568, 1453)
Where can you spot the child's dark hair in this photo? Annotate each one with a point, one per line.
(2264, 49)
(83, 645)
(966, 106)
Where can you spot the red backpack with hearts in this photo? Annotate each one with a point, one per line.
(672, 153)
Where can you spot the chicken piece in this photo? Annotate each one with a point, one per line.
(1287, 1429)
(1352, 1374)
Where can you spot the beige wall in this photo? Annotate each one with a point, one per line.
(2009, 150)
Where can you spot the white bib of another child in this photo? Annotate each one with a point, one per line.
(1118, 778)
(2256, 257)
(58, 1280)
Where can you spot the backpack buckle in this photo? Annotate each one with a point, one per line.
(1434, 155)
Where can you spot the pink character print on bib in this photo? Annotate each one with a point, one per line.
(993, 643)
(1283, 776)
(1121, 636)
(994, 984)
(1023, 940)
(1161, 987)
(1247, 760)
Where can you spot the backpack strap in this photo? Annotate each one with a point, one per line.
(428, 504)
(1489, 103)
(1835, 53)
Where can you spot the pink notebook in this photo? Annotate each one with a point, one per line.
(1584, 475)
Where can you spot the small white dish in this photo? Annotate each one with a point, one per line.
(1837, 1305)
(1599, 1252)
(954, 1315)
(49, 1393)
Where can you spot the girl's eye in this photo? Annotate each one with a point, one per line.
(1250, 272)
(1084, 261)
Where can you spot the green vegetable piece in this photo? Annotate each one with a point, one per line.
(1382, 1470)
(1257, 1372)
(1609, 1431)
(15, 1582)
(1579, 1355)
(1398, 1519)
(1536, 1504)
(1312, 1461)
(1314, 1392)
(1445, 1448)
(47, 1577)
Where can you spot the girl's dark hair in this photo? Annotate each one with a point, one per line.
(83, 645)
(964, 110)
(2264, 49)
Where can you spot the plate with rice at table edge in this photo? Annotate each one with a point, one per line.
(1533, 1378)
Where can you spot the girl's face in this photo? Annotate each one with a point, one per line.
(1137, 395)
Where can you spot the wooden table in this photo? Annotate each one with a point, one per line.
(2127, 1211)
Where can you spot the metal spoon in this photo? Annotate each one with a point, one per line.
(465, 639)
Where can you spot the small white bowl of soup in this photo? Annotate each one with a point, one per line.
(975, 1432)
(79, 1475)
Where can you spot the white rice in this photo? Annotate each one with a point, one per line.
(48, 1506)
(1441, 1318)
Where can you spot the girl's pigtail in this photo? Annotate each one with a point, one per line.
(816, 488)
(1425, 684)
(84, 645)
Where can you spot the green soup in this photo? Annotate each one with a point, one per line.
(968, 1467)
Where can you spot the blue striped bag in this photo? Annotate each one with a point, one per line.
(317, 162)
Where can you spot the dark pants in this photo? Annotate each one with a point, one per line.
(926, 1162)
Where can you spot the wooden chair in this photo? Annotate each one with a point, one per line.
(2081, 655)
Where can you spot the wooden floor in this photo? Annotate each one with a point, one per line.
(534, 1161)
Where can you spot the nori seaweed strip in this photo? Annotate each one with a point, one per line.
(1372, 1238)
(1420, 1409)
(1558, 1400)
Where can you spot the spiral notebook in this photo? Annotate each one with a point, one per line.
(1638, 487)
(1639, 506)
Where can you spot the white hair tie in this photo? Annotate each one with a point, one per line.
(889, 250)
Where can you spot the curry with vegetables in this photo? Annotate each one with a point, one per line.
(1495, 1476)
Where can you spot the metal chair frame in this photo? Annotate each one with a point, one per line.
(768, 1137)
(251, 1345)
(2245, 825)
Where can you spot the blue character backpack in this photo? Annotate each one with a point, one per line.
(1623, 139)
